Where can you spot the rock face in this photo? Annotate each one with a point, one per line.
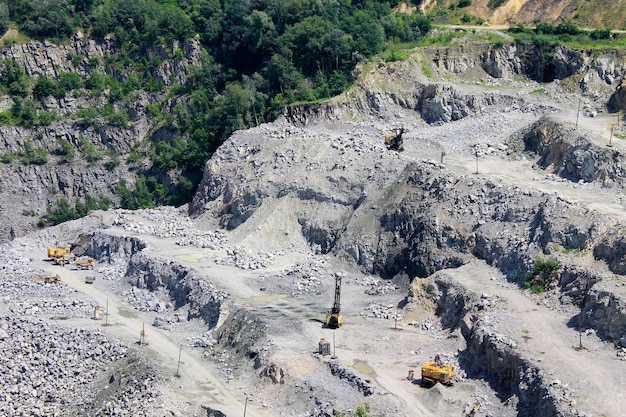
(26, 190)
(200, 298)
(492, 354)
(570, 155)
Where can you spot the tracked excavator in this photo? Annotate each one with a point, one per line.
(333, 317)
(437, 371)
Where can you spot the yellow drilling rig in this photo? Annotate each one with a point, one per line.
(333, 317)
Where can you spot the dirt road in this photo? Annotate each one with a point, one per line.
(197, 384)
(544, 336)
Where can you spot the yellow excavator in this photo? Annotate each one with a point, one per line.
(333, 317)
(48, 279)
(437, 371)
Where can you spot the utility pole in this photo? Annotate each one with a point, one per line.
(580, 320)
(578, 112)
(611, 137)
(395, 326)
(106, 315)
(476, 162)
(177, 375)
(143, 335)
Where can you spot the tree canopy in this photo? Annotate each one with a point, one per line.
(259, 55)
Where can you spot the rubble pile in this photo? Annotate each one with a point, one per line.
(382, 311)
(244, 259)
(46, 367)
(204, 239)
(65, 307)
(132, 225)
(299, 280)
(377, 285)
(146, 300)
(343, 373)
(50, 367)
(170, 222)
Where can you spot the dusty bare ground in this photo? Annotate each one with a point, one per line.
(381, 351)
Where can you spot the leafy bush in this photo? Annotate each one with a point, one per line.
(63, 211)
(6, 117)
(30, 155)
(88, 150)
(69, 81)
(464, 3)
(600, 34)
(494, 4)
(88, 115)
(139, 198)
(44, 87)
(96, 81)
(118, 118)
(543, 274)
(66, 149)
(33, 156)
(361, 411)
(76, 59)
(23, 112)
(45, 118)
(13, 78)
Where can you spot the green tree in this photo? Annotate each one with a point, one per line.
(48, 19)
(13, 78)
(61, 212)
(44, 87)
(5, 18)
(260, 35)
(207, 16)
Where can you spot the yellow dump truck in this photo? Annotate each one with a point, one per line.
(433, 372)
(85, 263)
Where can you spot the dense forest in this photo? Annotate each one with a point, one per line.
(258, 57)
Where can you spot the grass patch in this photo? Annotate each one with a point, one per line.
(398, 52)
(441, 39)
(426, 68)
(571, 251)
(539, 91)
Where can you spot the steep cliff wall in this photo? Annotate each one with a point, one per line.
(100, 149)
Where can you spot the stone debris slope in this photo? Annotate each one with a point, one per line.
(433, 246)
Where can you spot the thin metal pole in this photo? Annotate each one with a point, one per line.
(611, 137)
(396, 317)
(578, 112)
(180, 351)
(477, 162)
(106, 316)
(245, 407)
